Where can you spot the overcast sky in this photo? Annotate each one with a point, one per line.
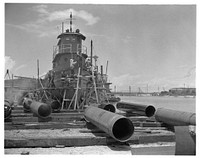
(150, 45)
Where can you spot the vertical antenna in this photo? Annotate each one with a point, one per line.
(70, 21)
(107, 67)
(91, 53)
(62, 27)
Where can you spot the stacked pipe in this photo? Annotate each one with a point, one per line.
(40, 109)
(117, 126)
(8, 108)
(55, 105)
(26, 104)
(184, 126)
(108, 107)
(141, 109)
(175, 118)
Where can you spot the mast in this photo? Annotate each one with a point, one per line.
(91, 52)
(62, 27)
(70, 21)
(107, 67)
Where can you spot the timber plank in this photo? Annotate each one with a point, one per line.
(21, 110)
(33, 120)
(83, 150)
(153, 149)
(52, 114)
(147, 124)
(53, 142)
(47, 125)
(79, 141)
(157, 138)
(75, 137)
(51, 118)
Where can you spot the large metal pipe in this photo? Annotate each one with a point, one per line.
(147, 110)
(176, 118)
(108, 107)
(8, 108)
(26, 104)
(117, 126)
(55, 105)
(42, 110)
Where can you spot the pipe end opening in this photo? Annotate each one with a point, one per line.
(26, 105)
(55, 105)
(7, 111)
(123, 129)
(150, 111)
(44, 110)
(110, 108)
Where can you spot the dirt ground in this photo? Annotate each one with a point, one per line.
(94, 150)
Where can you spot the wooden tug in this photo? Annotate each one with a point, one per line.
(73, 81)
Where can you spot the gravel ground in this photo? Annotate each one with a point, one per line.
(97, 150)
(47, 133)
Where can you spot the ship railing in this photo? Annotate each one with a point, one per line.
(67, 48)
(84, 49)
(103, 78)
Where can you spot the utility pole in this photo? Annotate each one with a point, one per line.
(115, 89)
(38, 72)
(129, 89)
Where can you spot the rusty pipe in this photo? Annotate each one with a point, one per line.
(42, 110)
(26, 104)
(108, 107)
(8, 108)
(176, 118)
(147, 110)
(117, 126)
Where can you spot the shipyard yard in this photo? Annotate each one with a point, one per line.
(68, 133)
(65, 90)
(64, 135)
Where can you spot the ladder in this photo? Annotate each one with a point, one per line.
(45, 93)
(104, 92)
(64, 99)
(95, 87)
(75, 96)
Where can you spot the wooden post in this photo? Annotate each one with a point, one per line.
(77, 88)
